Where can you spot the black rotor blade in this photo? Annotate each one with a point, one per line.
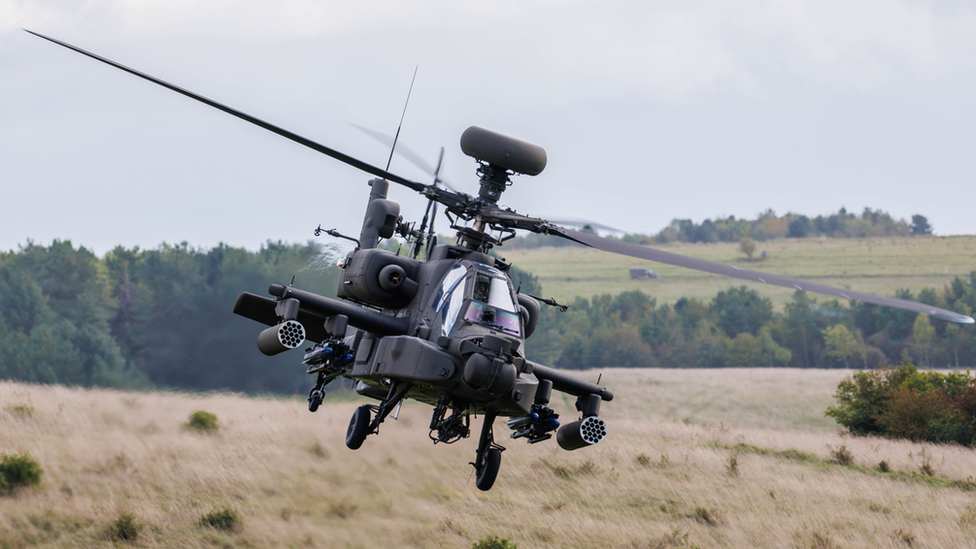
(581, 223)
(643, 252)
(358, 164)
(408, 154)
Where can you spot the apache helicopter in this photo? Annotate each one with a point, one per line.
(448, 329)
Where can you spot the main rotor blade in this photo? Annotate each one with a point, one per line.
(580, 223)
(643, 252)
(408, 154)
(358, 164)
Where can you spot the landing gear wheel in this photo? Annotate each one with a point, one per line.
(314, 400)
(358, 427)
(489, 469)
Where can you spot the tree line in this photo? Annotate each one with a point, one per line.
(766, 226)
(163, 318)
(738, 328)
(141, 318)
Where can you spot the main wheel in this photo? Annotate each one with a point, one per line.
(314, 400)
(489, 470)
(358, 427)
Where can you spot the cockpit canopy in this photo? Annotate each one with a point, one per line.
(473, 293)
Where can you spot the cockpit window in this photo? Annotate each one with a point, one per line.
(451, 279)
(451, 294)
(491, 301)
(482, 287)
(501, 295)
(479, 313)
(449, 314)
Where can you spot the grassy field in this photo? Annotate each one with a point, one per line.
(694, 458)
(875, 265)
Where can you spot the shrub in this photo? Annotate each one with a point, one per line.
(905, 403)
(124, 529)
(842, 456)
(21, 410)
(202, 421)
(318, 451)
(493, 542)
(225, 519)
(18, 470)
(862, 397)
(705, 516)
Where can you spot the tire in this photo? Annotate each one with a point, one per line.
(358, 427)
(489, 471)
(314, 401)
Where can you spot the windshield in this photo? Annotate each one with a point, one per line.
(450, 281)
(446, 295)
(479, 313)
(492, 304)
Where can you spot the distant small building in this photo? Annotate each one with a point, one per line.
(643, 274)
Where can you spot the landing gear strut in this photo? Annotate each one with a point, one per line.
(489, 456)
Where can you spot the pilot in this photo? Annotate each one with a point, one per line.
(481, 290)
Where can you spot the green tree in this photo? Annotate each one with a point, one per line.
(924, 334)
(55, 310)
(741, 310)
(709, 345)
(773, 354)
(182, 332)
(840, 343)
(920, 225)
(952, 337)
(748, 247)
(524, 281)
(799, 227)
(743, 351)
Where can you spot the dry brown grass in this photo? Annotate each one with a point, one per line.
(661, 479)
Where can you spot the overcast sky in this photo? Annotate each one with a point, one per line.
(648, 111)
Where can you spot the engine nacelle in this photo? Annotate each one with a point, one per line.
(578, 434)
(380, 278)
(283, 337)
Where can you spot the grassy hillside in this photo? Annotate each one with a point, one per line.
(719, 458)
(876, 265)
